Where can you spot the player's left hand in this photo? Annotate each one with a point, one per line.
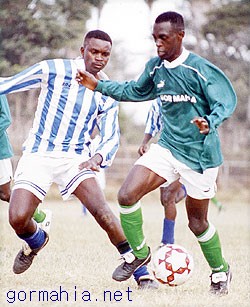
(93, 163)
(202, 124)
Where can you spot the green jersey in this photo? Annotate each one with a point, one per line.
(5, 120)
(189, 86)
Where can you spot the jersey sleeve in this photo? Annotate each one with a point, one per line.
(5, 117)
(221, 97)
(108, 126)
(27, 79)
(153, 122)
(141, 90)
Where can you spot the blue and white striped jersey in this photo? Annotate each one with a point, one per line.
(154, 121)
(66, 112)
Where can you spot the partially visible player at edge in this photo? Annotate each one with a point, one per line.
(196, 98)
(171, 194)
(57, 148)
(6, 172)
(6, 151)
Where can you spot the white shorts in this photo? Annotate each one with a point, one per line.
(36, 173)
(163, 163)
(6, 173)
(101, 177)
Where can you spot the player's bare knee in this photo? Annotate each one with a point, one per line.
(197, 226)
(17, 221)
(125, 199)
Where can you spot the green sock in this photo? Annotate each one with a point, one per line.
(39, 216)
(131, 221)
(211, 248)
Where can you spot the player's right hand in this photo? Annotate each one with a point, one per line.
(86, 79)
(142, 149)
(93, 163)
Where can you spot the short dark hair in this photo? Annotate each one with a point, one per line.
(174, 18)
(99, 35)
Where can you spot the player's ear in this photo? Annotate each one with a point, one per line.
(82, 51)
(181, 33)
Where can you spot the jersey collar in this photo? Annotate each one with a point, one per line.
(79, 61)
(182, 58)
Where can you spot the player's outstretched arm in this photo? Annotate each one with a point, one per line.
(86, 79)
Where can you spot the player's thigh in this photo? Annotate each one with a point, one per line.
(171, 190)
(5, 188)
(92, 196)
(68, 176)
(140, 181)
(159, 160)
(88, 192)
(169, 193)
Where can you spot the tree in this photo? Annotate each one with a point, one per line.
(37, 29)
(230, 25)
(228, 33)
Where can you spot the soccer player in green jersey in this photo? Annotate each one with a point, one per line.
(196, 98)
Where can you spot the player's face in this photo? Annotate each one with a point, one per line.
(168, 40)
(96, 54)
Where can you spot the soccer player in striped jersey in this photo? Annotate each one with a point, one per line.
(58, 146)
(170, 194)
(196, 98)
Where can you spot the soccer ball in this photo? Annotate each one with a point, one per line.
(172, 265)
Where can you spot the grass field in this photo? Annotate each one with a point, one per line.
(78, 262)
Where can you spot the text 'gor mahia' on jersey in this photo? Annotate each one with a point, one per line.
(67, 112)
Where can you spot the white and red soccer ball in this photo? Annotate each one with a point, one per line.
(172, 265)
